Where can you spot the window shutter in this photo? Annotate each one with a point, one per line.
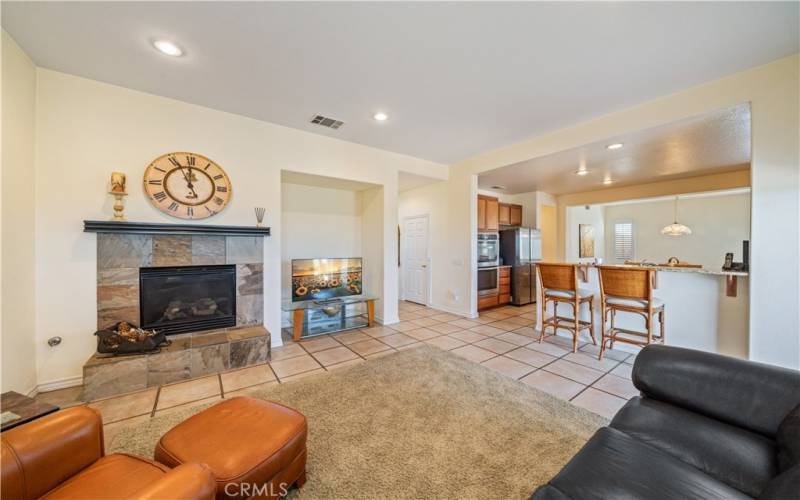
(623, 240)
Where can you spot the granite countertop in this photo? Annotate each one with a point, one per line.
(675, 269)
(700, 270)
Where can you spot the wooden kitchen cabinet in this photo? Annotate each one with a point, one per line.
(488, 208)
(504, 285)
(509, 214)
(487, 302)
(515, 215)
(492, 215)
(504, 214)
(481, 213)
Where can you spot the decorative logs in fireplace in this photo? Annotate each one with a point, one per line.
(124, 338)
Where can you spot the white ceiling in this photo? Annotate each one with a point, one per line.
(456, 79)
(712, 143)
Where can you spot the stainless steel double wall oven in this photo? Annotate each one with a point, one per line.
(488, 260)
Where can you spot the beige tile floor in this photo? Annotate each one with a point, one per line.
(501, 339)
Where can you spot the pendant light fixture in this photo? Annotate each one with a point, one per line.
(676, 229)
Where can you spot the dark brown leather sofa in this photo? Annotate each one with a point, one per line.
(705, 427)
(62, 456)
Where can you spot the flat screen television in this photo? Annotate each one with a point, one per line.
(325, 279)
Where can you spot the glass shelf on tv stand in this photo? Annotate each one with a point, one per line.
(312, 317)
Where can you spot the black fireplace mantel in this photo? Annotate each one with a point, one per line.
(125, 227)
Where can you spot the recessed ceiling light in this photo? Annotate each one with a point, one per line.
(581, 171)
(380, 116)
(168, 48)
(616, 145)
(608, 180)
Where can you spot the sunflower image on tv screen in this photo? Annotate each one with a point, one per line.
(323, 279)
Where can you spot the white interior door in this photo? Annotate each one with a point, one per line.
(415, 259)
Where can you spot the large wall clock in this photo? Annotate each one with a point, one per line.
(187, 185)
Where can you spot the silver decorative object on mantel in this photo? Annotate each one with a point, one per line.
(260, 211)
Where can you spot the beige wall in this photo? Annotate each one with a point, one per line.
(317, 222)
(548, 225)
(585, 214)
(703, 183)
(86, 129)
(773, 91)
(431, 200)
(718, 223)
(18, 210)
(376, 256)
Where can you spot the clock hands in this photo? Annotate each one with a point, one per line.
(189, 184)
(192, 194)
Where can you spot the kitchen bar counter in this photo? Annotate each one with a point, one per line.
(701, 313)
(678, 269)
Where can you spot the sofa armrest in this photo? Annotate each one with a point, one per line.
(40, 455)
(187, 481)
(746, 394)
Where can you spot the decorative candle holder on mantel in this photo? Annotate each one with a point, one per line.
(119, 194)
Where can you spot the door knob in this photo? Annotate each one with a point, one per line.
(424, 266)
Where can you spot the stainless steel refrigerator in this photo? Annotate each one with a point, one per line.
(521, 248)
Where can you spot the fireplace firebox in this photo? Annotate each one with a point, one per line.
(187, 298)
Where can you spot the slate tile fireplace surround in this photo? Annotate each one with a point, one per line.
(127, 264)
(121, 256)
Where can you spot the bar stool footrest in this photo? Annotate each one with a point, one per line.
(561, 320)
(616, 335)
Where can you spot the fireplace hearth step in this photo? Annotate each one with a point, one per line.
(191, 355)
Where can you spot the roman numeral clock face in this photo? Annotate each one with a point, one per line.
(187, 185)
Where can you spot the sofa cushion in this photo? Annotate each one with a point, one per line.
(738, 457)
(568, 294)
(785, 485)
(745, 394)
(615, 465)
(641, 304)
(788, 438)
(127, 473)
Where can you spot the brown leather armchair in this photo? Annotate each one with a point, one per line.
(62, 456)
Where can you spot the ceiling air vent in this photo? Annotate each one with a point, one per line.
(327, 122)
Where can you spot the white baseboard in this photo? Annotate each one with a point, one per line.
(450, 310)
(382, 321)
(63, 383)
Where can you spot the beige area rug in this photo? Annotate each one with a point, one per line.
(420, 423)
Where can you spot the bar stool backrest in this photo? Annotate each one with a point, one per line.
(558, 276)
(626, 282)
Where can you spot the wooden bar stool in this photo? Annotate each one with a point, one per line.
(629, 289)
(560, 286)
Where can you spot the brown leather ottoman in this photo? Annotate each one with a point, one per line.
(254, 447)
